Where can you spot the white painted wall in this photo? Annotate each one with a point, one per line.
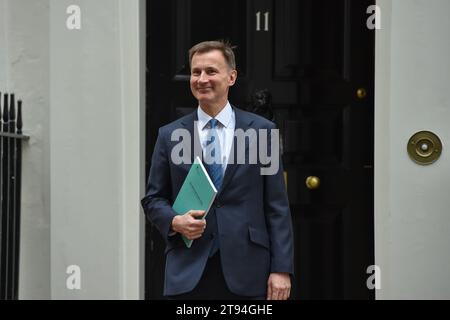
(83, 168)
(412, 203)
(24, 65)
(96, 115)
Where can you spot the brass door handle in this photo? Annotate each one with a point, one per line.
(361, 93)
(312, 182)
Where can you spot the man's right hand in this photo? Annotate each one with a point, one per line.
(189, 225)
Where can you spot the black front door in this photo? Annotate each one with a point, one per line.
(311, 65)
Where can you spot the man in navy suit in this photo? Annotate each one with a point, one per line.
(244, 247)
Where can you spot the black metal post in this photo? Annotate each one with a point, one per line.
(1, 202)
(1, 157)
(17, 200)
(11, 200)
(5, 165)
(11, 138)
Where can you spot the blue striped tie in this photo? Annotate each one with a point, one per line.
(214, 168)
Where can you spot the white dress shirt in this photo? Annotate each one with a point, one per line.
(225, 131)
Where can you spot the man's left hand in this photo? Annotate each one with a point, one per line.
(278, 286)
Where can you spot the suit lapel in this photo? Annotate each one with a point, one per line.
(242, 122)
(189, 123)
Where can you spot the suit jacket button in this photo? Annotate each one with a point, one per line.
(218, 205)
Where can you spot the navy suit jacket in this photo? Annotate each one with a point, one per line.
(250, 216)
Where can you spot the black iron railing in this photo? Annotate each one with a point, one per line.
(11, 138)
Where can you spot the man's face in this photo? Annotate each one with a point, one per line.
(211, 78)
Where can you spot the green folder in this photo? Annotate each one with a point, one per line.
(197, 193)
